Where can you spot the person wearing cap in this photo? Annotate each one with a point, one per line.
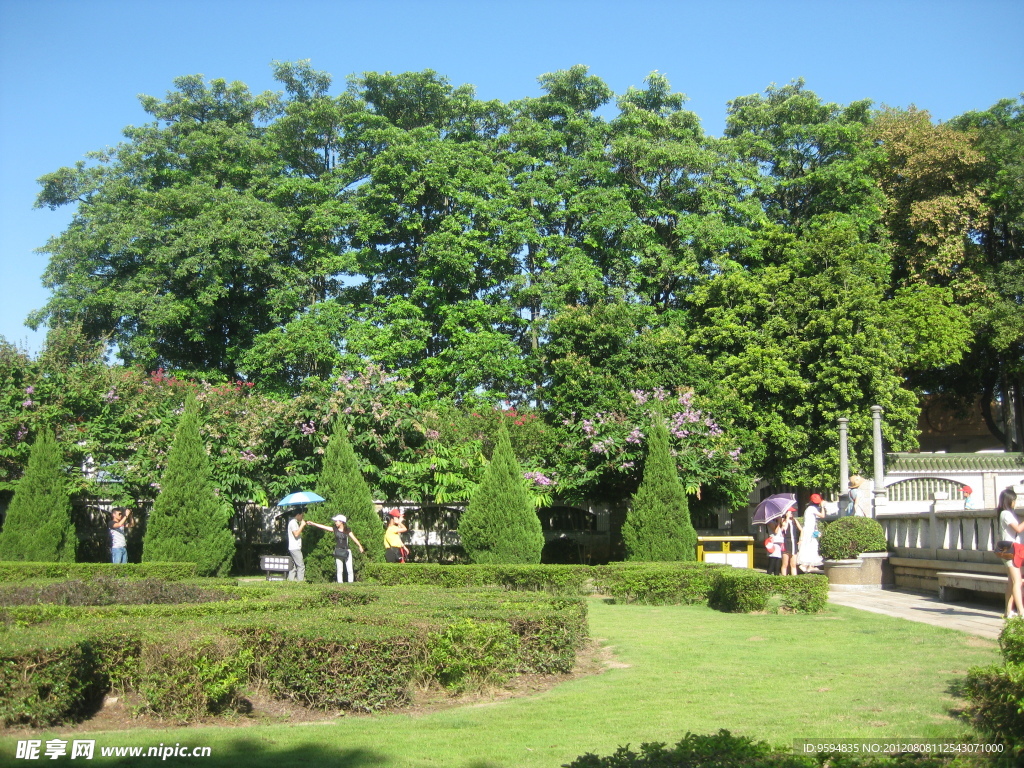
(297, 569)
(342, 552)
(1012, 531)
(807, 556)
(394, 547)
(969, 502)
(860, 496)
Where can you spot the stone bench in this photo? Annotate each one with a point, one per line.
(954, 584)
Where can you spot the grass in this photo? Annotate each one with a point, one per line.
(840, 674)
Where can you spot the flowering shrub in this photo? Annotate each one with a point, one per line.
(611, 446)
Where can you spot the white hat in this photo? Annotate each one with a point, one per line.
(340, 519)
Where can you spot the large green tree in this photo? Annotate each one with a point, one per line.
(38, 525)
(189, 521)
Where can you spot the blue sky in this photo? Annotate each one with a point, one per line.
(71, 70)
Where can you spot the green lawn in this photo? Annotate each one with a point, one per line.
(841, 674)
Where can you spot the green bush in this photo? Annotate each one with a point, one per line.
(108, 591)
(557, 579)
(345, 647)
(470, 654)
(743, 591)
(189, 522)
(721, 750)
(658, 526)
(500, 524)
(1011, 641)
(995, 696)
(656, 583)
(187, 679)
(847, 537)
(10, 572)
(38, 525)
(58, 683)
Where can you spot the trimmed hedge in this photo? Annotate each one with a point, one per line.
(343, 647)
(557, 579)
(661, 583)
(657, 583)
(17, 571)
(847, 537)
(742, 591)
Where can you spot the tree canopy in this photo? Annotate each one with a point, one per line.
(556, 252)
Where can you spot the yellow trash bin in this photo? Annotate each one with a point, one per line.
(737, 551)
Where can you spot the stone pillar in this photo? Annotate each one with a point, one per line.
(881, 497)
(844, 459)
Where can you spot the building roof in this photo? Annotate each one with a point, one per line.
(954, 462)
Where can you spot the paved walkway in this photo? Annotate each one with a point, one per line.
(973, 618)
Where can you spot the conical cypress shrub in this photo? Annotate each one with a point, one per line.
(341, 483)
(38, 527)
(189, 523)
(500, 524)
(658, 524)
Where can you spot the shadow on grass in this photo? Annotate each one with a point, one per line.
(255, 753)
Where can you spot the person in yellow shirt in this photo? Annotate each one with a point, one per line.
(394, 547)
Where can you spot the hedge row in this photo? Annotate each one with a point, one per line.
(345, 647)
(11, 571)
(557, 579)
(996, 693)
(720, 586)
(723, 750)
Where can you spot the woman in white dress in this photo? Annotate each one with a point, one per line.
(807, 556)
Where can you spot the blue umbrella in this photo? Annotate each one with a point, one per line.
(772, 507)
(302, 497)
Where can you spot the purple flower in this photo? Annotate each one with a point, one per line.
(30, 390)
(22, 432)
(635, 437)
(538, 478)
(308, 428)
(433, 434)
(111, 396)
(27, 404)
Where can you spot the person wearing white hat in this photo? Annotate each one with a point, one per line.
(342, 552)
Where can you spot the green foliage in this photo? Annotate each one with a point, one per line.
(656, 583)
(996, 704)
(569, 580)
(189, 523)
(471, 654)
(847, 537)
(500, 525)
(350, 648)
(1011, 641)
(744, 591)
(188, 679)
(658, 524)
(721, 750)
(13, 572)
(346, 493)
(38, 525)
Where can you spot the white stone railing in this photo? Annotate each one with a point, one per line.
(946, 532)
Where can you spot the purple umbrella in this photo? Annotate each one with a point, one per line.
(772, 507)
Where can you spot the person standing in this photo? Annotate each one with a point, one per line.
(775, 543)
(860, 496)
(807, 555)
(297, 569)
(1012, 530)
(342, 551)
(394, 547)
(121, 518)
(791, 526)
